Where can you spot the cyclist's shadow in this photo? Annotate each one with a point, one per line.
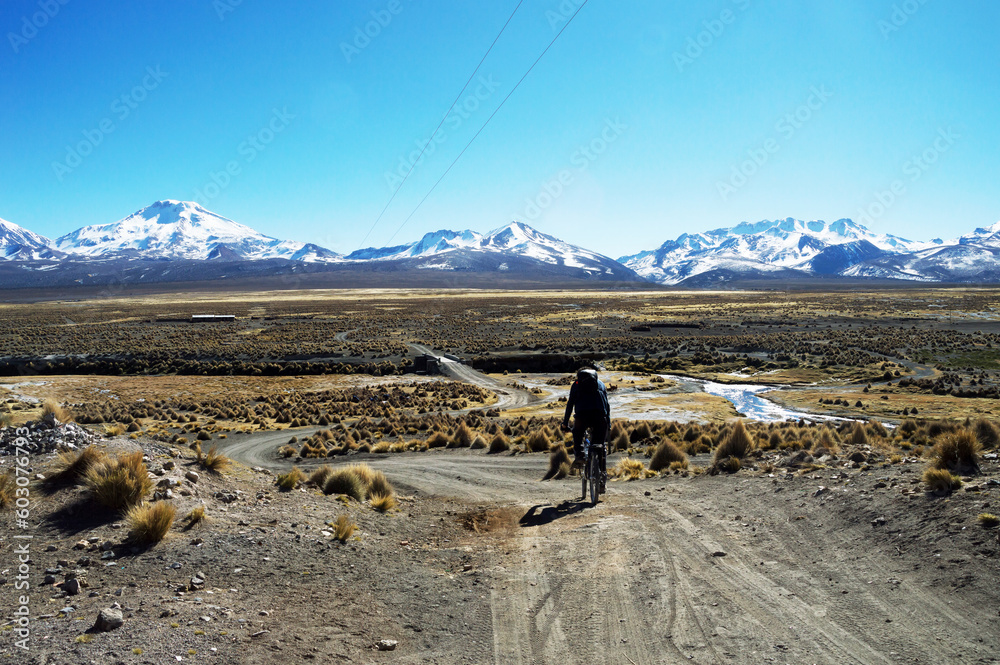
(539, 515)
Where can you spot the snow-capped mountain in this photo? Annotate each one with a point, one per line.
(456, 249)
(19, 244)
(183, 230)
(813, 247)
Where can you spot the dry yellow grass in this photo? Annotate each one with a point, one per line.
(196, 516)
(72, 467)
(957, 451)
(150, 522)
(343, 528)
(288, 480)
(383, 502)
(7, 490)
(988, 520)
(215, 461)
(121, 482)
(629, 469)
(941, 480)
(60, 413)
(737, 444)
(558, 458)
(666, 455)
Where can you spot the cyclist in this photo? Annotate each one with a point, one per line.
(590, 399)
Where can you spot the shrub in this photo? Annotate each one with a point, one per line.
(557, 459)
(499, 443)
(215, 461)
(150, 522)
(378, 484)
(737, 444)
(640, 432)
(988, 520)
(731, 465)
(957, 451)
(72, 467)
(383, 502)
(345, 481)
(286, 451)
(620, 442)
(666, 453)
(55, 410)
(343, 528)
(114, 430)
(941, 481)
(7, 487)
(119, 483)
(479, 443)
(203, 435)
(288, 480)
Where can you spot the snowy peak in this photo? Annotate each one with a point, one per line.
(172, 229)
(19, 244)
(989, 235)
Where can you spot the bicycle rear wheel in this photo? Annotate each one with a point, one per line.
(594, 471)
(583, 478)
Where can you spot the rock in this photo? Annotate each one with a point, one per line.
(71, 587)
(879, 485)
(108, 619)
(858, 457)
(197, 582)
(49, 579)
(168, 482)
(720, 553)
(169, 465)
(80, 545)
(820, 491)
(50, 548)
(386, 645)
(878, 521)
(192, 476)
(107, 546)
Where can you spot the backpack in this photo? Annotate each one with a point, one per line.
(588, 392)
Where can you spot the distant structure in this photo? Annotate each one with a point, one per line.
(212, 318)
(427, 364)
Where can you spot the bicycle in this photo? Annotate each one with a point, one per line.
(594, 460)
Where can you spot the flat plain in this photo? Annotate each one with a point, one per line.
(796, 476)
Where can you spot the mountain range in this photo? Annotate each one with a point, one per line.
(178, 240)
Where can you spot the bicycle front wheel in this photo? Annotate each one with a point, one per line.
(594, 471)
(583, 479)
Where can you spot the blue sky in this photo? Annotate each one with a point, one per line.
(645, 120)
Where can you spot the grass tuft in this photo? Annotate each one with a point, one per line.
(319, 476)
(558, 458)
(499, 443)
(288, 480)
(73, 467)
(346, 482)
(383, 502)
(195, 516)
(988, 520)
(150, 522)
(215, 461)
(60, 413)
(7, 490)
(119, 483)
(737, 444)
(665, 455)
(629, 469)
(343, 528)
(957, 451)
(941, 481)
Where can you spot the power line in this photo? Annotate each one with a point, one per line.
(443, 118)
(488, 120)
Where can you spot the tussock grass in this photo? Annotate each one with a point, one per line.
(988, 520)
(538, 441)
(737, 444)
(462, 438)
(7, 490)
(629, 469)
(557, 459)
(378, 484)
(730, 465)
(437, 440)
(286, 451)
(363, 471)
(957, 451)
(859, 437)
(987, 433)
(941, 480)
(499, 443)
(196, 516)
(346, 482)
(121, 482)
(563, 471)
(116, 429)
(343, 528)
(150, 522)
(288, 480)
(60, 413)
(383, 502)
(6, 419)
(215, 461)
(73, 467)
(319, 476)
(479, 443)
(665, 455)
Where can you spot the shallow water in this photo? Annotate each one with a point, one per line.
(747, 400)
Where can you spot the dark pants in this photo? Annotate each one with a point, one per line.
(598, 432)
